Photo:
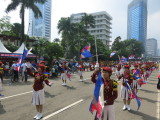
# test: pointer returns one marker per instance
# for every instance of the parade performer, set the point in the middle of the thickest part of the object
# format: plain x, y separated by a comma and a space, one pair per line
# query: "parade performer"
137, 77
80, 68
158, 84
1, 72
63, 70
38, 89
109, 93
125, 92
117, 72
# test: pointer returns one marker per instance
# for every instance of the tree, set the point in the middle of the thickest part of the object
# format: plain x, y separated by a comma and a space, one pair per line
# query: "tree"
16, 29
25, 4
5, 24
88, 20
11, 47
127, 47
56, 40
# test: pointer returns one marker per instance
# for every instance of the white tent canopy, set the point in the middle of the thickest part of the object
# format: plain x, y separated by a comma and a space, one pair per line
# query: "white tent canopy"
21, 49
3, 49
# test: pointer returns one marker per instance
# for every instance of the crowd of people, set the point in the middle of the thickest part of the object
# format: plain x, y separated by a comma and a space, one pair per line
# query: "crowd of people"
133, 74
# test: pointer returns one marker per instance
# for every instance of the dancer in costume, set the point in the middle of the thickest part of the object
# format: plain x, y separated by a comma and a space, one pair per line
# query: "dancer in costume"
109, 93
38, 89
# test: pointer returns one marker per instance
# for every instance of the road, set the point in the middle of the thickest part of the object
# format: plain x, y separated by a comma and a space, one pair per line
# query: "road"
72, 102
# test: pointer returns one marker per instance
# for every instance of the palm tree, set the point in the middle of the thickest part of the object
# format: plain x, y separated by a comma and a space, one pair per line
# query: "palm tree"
88, 20
67, 29
56, 40
25, 4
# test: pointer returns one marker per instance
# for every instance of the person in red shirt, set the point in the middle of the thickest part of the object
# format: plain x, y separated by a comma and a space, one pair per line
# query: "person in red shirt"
110, 92
38, 89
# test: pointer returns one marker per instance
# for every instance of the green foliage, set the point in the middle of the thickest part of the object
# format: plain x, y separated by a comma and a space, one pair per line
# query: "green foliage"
75, 35
128, 47
16, 29
11, 47
5, 25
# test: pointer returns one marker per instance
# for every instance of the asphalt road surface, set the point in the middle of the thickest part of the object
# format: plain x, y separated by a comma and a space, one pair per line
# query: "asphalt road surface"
72, 102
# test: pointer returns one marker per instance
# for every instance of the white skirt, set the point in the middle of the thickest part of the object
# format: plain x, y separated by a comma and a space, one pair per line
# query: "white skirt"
109, 113
80, 73
63, 76
135, 84
124, 93
38, 97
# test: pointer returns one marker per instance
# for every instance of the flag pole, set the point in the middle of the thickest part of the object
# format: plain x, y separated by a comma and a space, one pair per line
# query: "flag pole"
96, 49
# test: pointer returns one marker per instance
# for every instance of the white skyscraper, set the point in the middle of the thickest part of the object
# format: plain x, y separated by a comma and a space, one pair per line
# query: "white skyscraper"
102, 25
41, 27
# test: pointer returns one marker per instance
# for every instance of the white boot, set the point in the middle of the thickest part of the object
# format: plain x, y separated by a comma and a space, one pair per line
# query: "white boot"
124, 107
36, 115
128, 108
39, 116
80, 80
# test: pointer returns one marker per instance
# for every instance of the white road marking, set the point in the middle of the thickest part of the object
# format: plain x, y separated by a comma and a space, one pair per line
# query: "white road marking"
63, 109
15, 95
158, 105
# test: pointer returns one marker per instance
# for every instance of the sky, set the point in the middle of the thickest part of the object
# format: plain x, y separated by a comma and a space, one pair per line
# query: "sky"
116, 8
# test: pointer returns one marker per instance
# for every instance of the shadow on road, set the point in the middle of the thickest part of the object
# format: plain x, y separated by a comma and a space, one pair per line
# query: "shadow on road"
2, 110
144, 116
149, 100
69, 87
148, 91
47, 94
87, 83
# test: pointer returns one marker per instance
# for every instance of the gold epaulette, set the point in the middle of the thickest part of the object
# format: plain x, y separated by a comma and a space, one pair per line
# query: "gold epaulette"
115, 85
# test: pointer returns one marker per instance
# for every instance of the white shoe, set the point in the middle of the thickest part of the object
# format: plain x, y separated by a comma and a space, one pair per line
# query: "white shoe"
128, 108
80, 80
36, 115
124, 107
63, 83
39, 116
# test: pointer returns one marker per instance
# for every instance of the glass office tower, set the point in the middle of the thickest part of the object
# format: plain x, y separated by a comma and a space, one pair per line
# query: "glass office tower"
137, 20
41, 27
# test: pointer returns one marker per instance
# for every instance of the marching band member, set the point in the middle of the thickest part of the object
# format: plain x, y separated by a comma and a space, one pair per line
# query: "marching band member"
38, 89
80, 71
136, 73
125, 93
110, 92
63, 70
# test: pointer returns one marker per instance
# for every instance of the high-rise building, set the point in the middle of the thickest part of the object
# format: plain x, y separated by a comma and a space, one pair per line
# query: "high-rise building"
151, 47
41, 27
102, 28
137, 20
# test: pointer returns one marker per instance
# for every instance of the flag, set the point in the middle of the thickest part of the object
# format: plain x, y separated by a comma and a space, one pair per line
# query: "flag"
23, 57
85, 52
133, 95
139, 58
96, 104
131, 57
123, 59
112, 54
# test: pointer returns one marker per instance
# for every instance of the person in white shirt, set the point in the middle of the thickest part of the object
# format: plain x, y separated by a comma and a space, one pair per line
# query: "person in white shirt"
24, 71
